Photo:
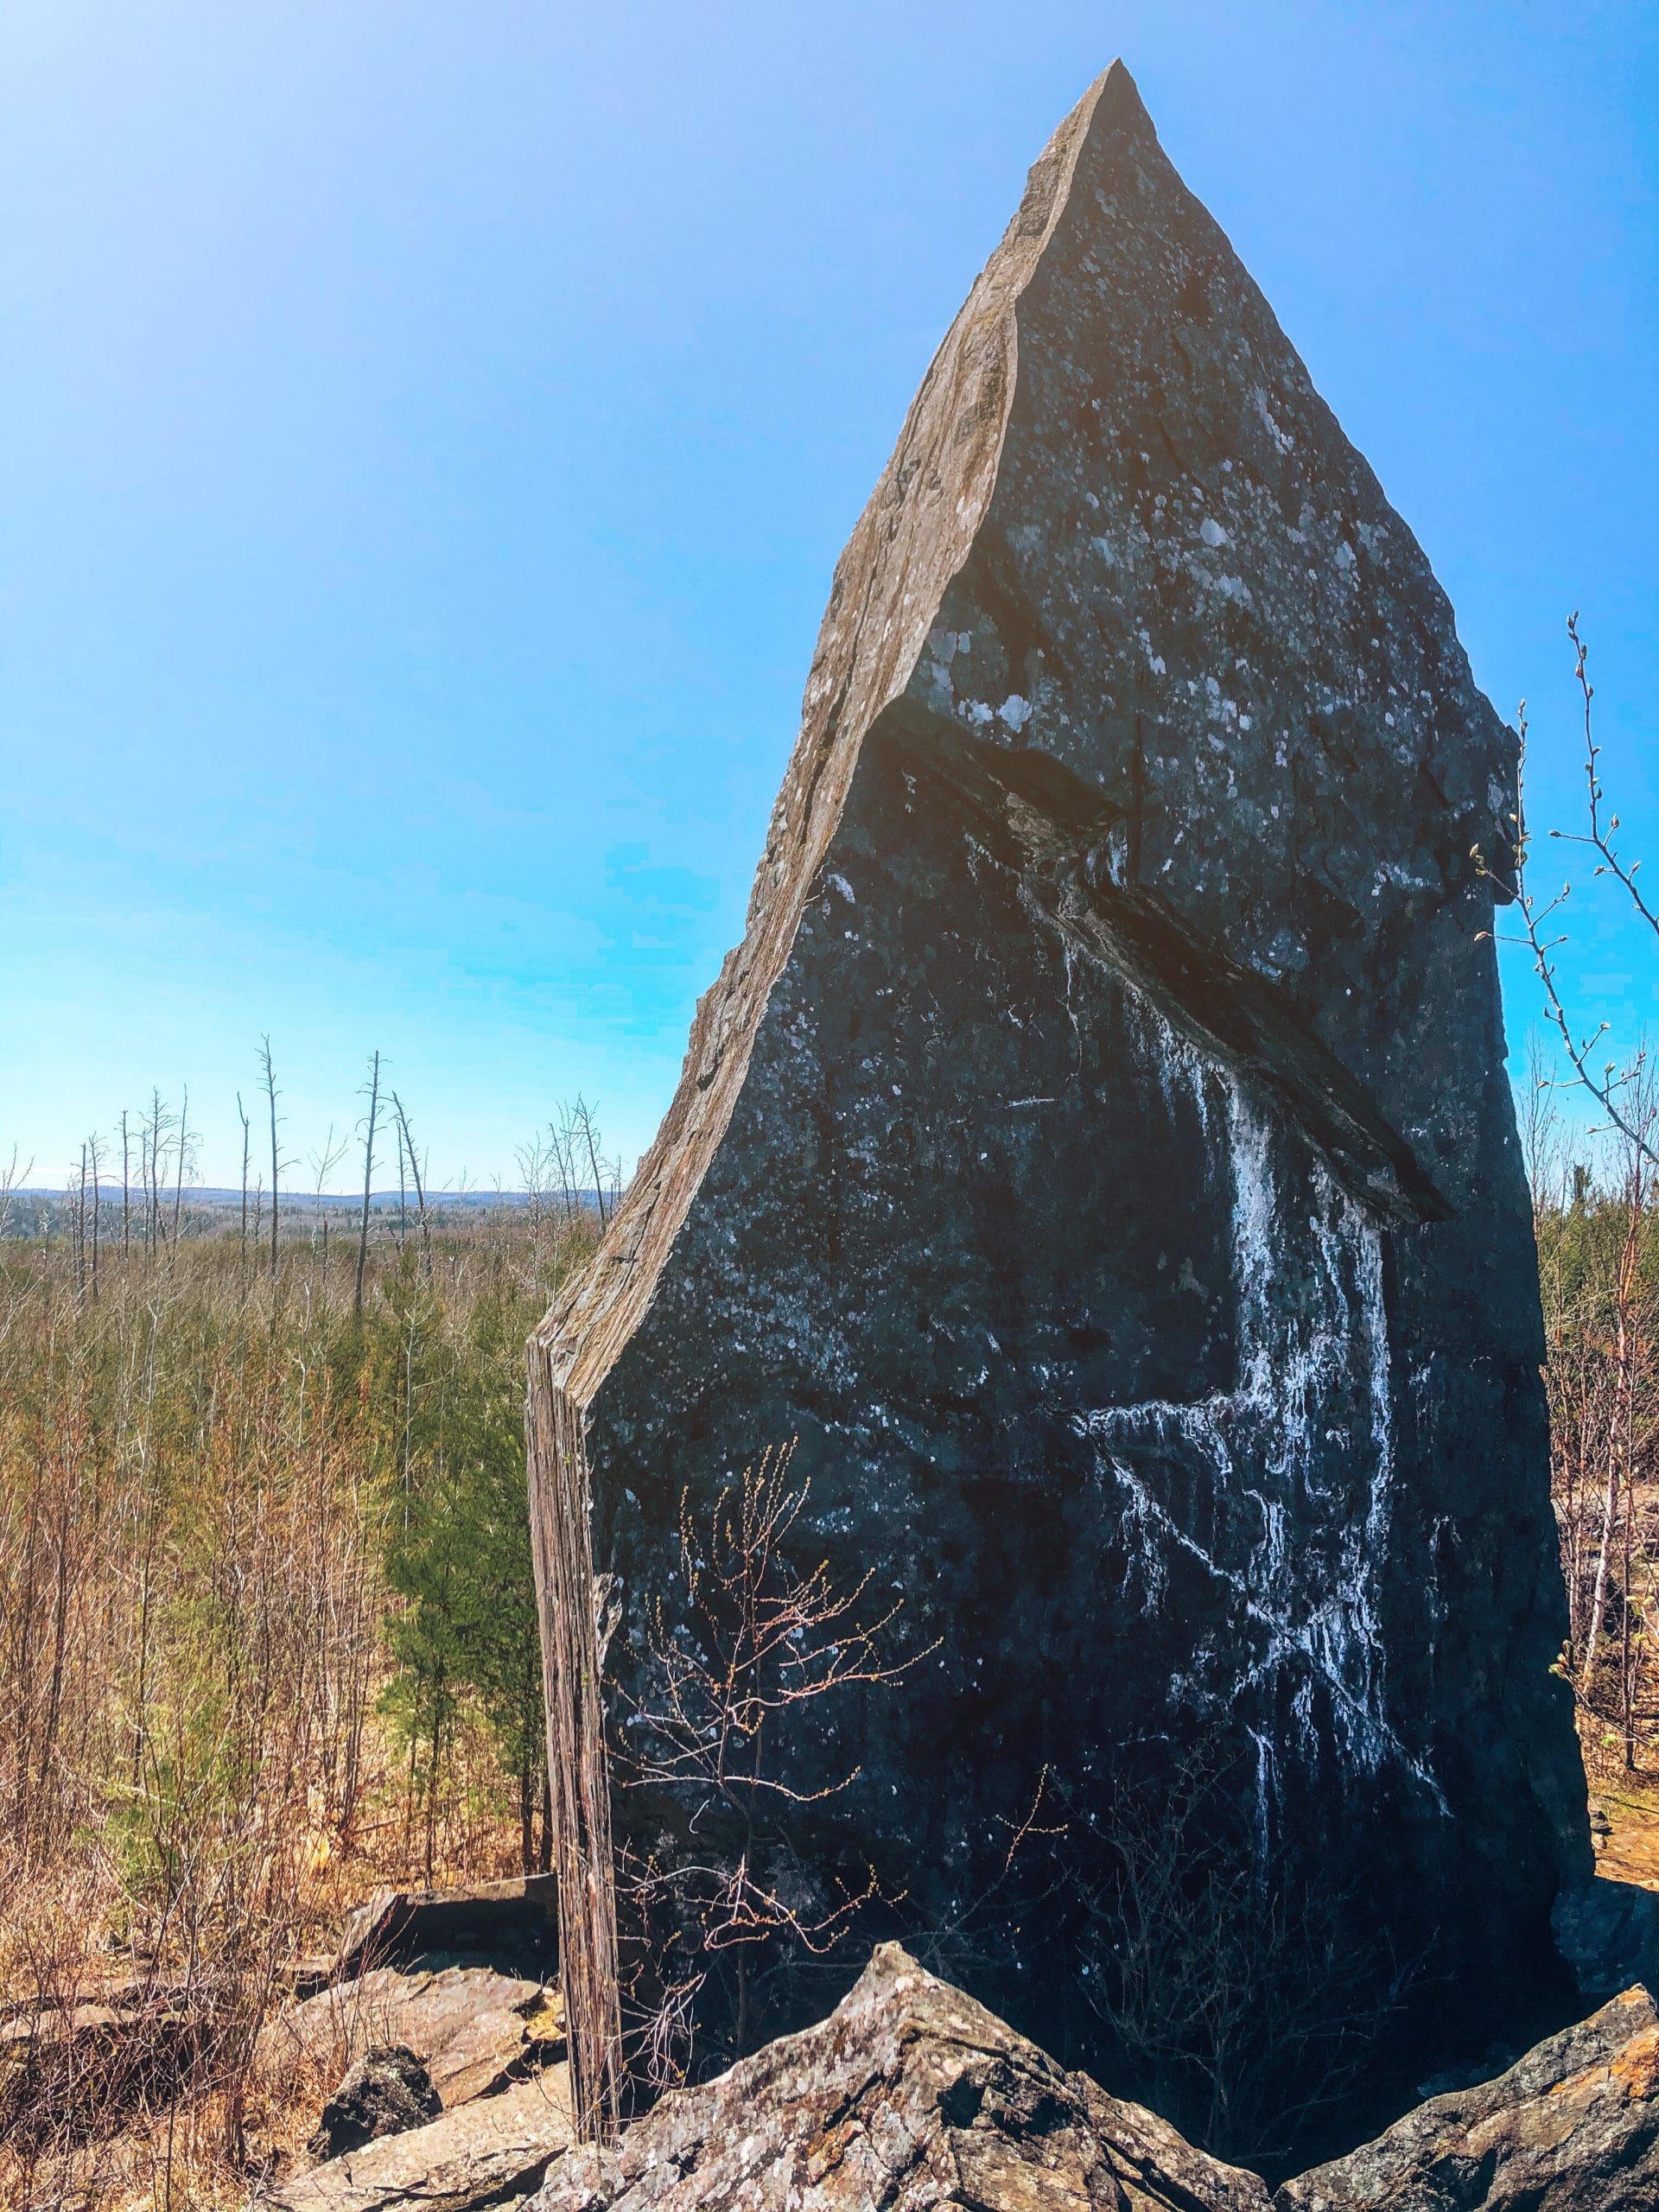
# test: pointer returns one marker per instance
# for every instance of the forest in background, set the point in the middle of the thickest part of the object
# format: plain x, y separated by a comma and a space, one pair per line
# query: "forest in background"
267, 1635
267, 1617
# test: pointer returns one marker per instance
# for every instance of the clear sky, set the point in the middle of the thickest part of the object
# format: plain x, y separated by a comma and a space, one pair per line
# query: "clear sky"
428, 430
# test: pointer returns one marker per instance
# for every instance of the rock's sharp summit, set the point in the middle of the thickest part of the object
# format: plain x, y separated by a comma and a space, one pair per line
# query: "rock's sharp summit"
1098, 1155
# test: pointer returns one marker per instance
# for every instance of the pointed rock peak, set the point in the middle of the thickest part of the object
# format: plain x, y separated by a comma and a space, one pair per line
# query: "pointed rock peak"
1097, 1157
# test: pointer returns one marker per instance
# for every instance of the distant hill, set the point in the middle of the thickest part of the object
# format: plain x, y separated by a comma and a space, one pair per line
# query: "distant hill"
208, 1209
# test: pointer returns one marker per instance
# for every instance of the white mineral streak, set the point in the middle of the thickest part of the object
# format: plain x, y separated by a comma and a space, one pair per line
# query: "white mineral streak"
1304, 1438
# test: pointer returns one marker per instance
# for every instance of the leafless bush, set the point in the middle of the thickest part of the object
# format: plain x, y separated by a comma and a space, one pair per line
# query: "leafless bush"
1607, 1083
1238, 1998
755, 1640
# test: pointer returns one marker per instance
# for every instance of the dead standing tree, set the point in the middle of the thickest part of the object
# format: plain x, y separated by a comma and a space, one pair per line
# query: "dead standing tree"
368, 1177
408, 1153
269, 1074
1600, 1380
126, 1186
242, 1116
155, 1137
324, 1162
95, 1160
183, 1164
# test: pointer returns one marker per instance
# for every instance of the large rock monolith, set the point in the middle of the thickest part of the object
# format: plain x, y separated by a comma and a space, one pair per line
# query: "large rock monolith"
1098, 1159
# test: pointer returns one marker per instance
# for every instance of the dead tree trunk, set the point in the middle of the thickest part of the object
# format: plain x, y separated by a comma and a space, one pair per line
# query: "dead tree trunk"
243, 1118
178, 1180
420, 1187
368, 1172
275, 1166
91, 1148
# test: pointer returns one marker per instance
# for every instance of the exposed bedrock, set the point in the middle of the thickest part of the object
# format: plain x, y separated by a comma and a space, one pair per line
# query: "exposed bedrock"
1098, 1154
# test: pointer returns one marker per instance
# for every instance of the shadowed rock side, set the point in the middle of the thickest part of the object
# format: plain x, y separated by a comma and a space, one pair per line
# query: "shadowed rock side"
1098, 1154
1573, 2127
910, 2095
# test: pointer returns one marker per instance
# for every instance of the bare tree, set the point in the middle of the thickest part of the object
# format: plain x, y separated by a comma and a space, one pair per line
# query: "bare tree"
94, 1157
420, 1187
126, 1186
561, 1145
368, 1173
155, 1137
269, 1074
1608, 1084
183, 1163
587, 1134
80, 1225
324, 1164
1596, 1255
242, 1116
533, 1170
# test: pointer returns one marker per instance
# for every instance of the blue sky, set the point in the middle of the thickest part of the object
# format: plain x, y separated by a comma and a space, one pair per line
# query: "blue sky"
429, 432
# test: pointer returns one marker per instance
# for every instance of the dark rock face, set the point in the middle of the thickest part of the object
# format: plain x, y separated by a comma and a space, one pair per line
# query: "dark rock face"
1098, 1156
1608, 1933
910, 2095
386, 2091
1573, 2127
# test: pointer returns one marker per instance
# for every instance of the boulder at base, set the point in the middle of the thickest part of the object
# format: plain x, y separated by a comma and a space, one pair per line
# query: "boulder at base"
910, 2095
474, 2030
1608, 1933
387, 2091
493, 2151
1573, 2127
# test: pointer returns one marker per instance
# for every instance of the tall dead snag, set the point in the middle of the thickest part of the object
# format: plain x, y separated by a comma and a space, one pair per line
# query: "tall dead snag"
407, 1152
246, 1139
268, 1071
126, 1184
96, 1160
368, 1173
183, 1164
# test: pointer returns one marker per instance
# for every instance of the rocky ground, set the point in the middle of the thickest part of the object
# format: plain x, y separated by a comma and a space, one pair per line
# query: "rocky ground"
426, 2058
912, 2096
1625, 1818
440, 2024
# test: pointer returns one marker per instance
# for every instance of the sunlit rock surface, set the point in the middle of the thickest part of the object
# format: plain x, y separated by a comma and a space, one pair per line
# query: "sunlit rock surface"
909, 2096
1573, 2126
1098, 1154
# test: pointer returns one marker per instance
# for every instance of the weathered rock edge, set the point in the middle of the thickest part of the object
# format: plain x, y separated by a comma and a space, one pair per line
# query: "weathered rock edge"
909, 2095
1573, 2126
912, 2095
493, 2151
